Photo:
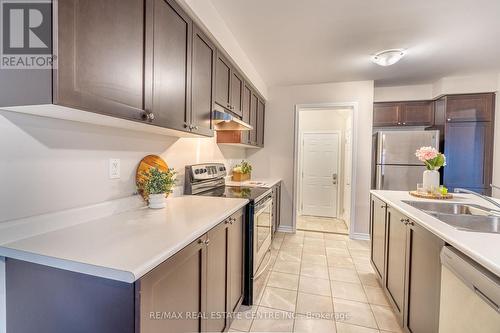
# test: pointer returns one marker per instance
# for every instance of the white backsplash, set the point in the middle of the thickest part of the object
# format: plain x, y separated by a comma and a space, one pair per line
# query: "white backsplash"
48, 165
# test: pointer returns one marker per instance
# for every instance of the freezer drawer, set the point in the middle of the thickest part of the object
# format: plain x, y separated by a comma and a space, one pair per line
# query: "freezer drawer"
398, 147
398, 177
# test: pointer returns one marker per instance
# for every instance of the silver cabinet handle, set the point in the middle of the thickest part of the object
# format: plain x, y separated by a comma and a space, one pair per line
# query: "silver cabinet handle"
207, 242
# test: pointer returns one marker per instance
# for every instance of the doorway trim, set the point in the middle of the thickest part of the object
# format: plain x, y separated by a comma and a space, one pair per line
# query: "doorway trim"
301, 156
354, 120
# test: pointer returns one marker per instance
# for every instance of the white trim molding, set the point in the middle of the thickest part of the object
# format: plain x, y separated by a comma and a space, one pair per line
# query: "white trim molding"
286, 228
359, 236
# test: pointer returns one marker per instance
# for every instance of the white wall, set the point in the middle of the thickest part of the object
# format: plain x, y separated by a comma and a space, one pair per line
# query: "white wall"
403, 93
328, 120
214, 25
48, 164
276, 159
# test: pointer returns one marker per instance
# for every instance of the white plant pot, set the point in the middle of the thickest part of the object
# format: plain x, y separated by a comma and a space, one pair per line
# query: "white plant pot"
431, 180
157, 201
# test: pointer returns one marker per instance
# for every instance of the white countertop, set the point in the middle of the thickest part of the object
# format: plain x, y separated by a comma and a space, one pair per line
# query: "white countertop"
127, 245
484, 248
258, 182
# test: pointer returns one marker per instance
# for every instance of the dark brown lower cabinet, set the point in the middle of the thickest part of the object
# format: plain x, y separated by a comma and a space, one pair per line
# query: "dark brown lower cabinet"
176, 286
396, 260
190, 292
423, 280
276, 207
412, 279
378, 225
236, 258
217, 282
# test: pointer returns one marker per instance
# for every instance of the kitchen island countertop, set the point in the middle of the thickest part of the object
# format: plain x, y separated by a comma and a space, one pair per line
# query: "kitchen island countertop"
127, 245
484, 248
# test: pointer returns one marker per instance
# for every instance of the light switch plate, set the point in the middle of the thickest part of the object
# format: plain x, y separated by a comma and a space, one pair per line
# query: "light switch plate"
114, 168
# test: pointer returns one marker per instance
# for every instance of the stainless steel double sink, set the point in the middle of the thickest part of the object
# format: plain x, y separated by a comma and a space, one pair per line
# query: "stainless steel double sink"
467, 217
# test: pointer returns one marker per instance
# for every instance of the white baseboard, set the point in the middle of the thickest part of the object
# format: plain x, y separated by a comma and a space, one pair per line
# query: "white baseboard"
285, 228
359, 236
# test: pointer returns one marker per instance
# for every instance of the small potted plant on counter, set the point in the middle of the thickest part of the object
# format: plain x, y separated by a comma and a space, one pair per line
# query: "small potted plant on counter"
157, 186
433, 160
242, 171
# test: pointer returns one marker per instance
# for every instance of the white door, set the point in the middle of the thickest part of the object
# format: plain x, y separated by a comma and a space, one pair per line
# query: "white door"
320, 175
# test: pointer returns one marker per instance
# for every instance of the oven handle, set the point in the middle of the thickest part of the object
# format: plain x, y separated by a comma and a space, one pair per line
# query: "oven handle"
263, 203
256, 276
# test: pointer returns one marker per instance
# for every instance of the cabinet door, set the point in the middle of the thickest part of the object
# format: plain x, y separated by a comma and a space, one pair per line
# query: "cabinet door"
100, 52
236, 259
253, 118
203, 81
217, 263
475, 107
468, 149
386, 114
417, 114
247, 95
223, 82
378, 227
423, 280
175, 286
396, 260
171, 64
261, 120
237, 85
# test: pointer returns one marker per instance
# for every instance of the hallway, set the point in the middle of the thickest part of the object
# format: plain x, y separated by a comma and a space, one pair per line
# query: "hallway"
321, 224
319, 282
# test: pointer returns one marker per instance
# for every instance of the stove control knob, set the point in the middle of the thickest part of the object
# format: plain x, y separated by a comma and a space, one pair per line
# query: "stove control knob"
197, 171
204, 170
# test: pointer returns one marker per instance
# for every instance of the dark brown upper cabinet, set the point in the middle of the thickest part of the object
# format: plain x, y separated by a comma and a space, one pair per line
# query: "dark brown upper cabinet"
254, 100
247, 96
203, 81
261, 119
100, 54
386, 114
169, 49
223, 82
473, 107
418, 113
237, 85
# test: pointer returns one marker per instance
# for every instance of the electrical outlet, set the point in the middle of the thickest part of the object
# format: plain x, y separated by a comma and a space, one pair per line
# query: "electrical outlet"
114, 168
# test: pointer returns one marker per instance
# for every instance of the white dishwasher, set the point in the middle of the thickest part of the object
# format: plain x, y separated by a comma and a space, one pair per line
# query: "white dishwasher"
470, 295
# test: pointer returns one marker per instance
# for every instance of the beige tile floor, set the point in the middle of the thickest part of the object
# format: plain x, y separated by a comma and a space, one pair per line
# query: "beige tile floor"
319, 282
321, 224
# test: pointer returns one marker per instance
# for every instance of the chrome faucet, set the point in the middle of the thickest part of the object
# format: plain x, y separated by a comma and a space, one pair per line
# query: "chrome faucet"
484, 197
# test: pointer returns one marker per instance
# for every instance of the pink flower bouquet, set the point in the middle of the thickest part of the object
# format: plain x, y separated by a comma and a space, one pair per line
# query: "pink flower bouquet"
432, 158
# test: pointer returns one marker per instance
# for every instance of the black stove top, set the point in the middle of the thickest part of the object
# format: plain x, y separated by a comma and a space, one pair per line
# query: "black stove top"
244, 192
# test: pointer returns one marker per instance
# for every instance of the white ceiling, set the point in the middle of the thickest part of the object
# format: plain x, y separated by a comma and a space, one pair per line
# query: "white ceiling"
315, 41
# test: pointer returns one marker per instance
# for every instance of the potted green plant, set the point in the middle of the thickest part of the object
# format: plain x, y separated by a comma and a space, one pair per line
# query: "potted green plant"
242, 171
157, 185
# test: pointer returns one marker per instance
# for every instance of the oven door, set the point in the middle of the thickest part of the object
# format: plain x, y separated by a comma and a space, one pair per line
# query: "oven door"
262, 230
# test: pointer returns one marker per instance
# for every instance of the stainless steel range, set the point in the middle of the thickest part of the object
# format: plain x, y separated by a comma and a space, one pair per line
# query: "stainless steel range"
209, 179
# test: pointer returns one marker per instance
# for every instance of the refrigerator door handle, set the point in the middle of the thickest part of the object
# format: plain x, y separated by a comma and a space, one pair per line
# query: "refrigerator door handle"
380, 177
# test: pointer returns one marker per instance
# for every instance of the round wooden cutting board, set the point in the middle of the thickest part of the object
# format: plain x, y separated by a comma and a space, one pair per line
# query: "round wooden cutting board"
148, 162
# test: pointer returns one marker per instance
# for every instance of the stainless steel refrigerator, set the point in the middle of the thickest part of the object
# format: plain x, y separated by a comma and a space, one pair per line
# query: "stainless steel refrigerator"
395, 165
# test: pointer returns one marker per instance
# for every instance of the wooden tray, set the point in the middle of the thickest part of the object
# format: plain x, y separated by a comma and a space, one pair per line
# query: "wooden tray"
148, 162
431, 195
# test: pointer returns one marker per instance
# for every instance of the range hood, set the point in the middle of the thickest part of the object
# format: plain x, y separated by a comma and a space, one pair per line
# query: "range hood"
224, 121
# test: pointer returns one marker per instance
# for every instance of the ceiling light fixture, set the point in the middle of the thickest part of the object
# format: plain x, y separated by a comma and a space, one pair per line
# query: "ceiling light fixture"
388, 57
